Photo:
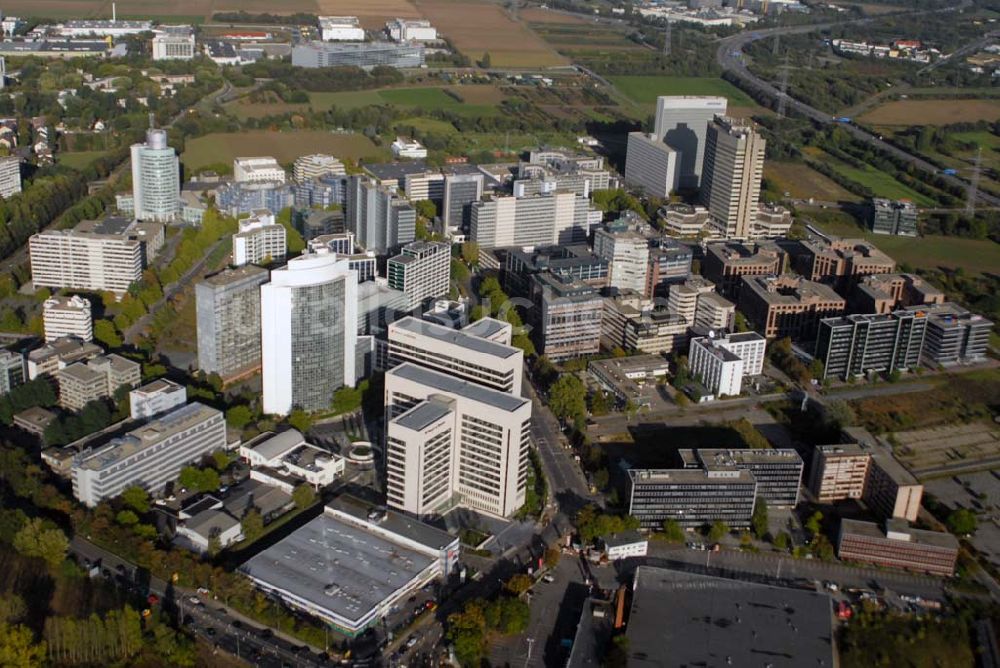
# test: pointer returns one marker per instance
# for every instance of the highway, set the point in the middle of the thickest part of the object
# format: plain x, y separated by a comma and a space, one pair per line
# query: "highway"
731, 58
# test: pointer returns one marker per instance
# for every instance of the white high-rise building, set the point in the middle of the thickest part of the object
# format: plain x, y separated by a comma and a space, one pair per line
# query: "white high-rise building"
316, 165
422, 271
627, 253
651, 165
174, 43
258, 170
156, 185
724, 362
459, 353
543, 220
340, 29
67, 316
411, 30
308, 332
259, 240
453, 442
734, 168
682, 122
10, 175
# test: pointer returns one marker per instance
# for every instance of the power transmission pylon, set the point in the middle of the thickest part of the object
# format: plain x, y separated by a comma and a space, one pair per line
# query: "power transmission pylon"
777, 42
970, 204
783, 89
667, 38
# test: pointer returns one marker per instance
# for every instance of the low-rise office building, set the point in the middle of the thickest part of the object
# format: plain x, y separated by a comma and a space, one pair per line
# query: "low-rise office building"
316, 165
625, 545
575, 261
895, 217
149, 456
885, 293
58, 354
683, 220
669, 264
258, 170
898, 546
683, 297
568, 317
630, 379
723, 362
954, 335
260, 240
385, 557
780, 306
67, 316
156, 398
840, 262
839, 472
98, 378
633, 323
286, 460
692, 497
725, 264
365, 55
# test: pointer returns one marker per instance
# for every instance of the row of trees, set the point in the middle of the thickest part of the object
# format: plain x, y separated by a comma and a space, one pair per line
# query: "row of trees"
115, 637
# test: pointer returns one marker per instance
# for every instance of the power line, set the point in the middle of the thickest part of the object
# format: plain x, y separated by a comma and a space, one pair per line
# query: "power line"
666, 38
970, 204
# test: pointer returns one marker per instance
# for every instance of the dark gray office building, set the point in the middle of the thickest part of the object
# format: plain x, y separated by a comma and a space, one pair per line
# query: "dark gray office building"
893, 217
854, 345
228, 309
954, 335
573, 261
381, 220
462, 186
778, 471
692, 497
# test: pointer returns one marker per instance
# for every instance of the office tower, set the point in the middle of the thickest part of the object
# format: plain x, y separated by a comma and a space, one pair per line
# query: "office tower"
651, 165
156, 185
723, 363
260, 240
422, 270
787, 305
150, 456
258, 170
380, 219
309, 332
67, 316
228, 309
839, 472
682, 123
460, 353
316, 165
454, 442
10, 175
12, 371
428, 184
897, 217
542, 220
627, 253
733, 170
566, 318
778, 471
855, 345
461, 190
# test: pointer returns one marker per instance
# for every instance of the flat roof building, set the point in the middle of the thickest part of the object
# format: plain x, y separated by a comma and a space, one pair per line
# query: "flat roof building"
632, 322
227, 304
574, 260
723, 362
67, 316
898, 546
422, 271
682, 123
260, 240
852, 346
340, 29
897, 217
59, 354
353, 563
780, 306
679, 618
726, 263
732, 174
885, 293
258, 170
365, 55
954, 335
692, 497
541, 220
568, 317
778, 471
839, 472
630, 379
155, 398
651, 165
149, 456
98, 378
840, 262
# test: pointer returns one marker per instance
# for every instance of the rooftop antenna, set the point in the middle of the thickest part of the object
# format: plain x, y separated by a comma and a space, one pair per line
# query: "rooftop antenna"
783, 88
666, 38
114, 12
970, 204
152, 121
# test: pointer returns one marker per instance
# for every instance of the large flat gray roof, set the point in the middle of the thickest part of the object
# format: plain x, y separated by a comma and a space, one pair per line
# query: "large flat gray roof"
422, 415
337, 567
459, 387
682, 619
456, 337
397, 523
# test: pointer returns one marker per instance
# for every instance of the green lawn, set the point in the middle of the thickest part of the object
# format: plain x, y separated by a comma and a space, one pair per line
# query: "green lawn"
880, 183
80, 159
222, 147
424, 98
645, 89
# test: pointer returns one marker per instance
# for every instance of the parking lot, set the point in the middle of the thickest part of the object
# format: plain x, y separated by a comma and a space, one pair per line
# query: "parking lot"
979, 492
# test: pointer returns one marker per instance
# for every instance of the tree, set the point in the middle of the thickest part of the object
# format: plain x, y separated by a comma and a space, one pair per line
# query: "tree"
304, 495
552, 556
518, 584
717, 531
12, 609
300, 420
107, 335
347, 399
40, 539
18, 648
238, 416
137, 499
568, 398
962, 522
814, 525
486, 62
839, 414
126, 518
253, 525
426, 208
759, 518
673, 532
783, 540
470, 253
740, 323
221, 460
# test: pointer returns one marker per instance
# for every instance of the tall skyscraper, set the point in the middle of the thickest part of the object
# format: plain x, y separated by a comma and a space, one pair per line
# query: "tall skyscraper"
156, 177
308, 332
228, 309
734, 167
380, 219
461, 189
682, 122
422, 271
10, 175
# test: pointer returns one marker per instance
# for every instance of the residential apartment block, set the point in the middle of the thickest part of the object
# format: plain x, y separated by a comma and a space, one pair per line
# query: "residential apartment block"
229, 321
150, 456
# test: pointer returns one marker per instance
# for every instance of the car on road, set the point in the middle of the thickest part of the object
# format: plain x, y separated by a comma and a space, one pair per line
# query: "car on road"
194, 600
411, 642
548, 578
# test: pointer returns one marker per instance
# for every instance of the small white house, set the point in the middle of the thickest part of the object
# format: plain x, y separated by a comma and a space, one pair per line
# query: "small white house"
408, 148
196, 533
286, 459
625, 545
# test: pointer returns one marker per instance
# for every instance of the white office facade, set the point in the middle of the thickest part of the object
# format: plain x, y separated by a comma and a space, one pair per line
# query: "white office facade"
259, 240
80, 261
308, 332
10, 174
682, 123
651, 165
421, 271
257, 170
156, 177
722, 363
627, 253
67, 316
541, 220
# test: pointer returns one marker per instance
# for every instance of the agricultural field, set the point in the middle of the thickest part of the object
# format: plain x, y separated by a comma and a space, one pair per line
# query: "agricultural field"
476, 28
188, 10
932, 112
539, 15
880, 183
570, 38
801, 182
371, 13
643, 90
285, 146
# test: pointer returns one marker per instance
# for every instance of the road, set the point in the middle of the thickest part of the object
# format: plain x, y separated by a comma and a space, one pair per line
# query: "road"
731, 58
